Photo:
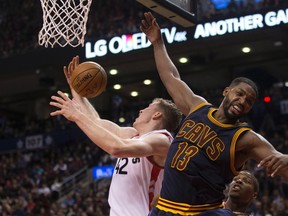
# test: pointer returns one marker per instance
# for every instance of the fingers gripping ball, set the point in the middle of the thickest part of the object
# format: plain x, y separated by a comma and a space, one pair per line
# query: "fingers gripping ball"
89, 79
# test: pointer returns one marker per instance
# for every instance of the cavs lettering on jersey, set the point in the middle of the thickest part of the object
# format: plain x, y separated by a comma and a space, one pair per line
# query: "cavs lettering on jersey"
199, 164
134, 183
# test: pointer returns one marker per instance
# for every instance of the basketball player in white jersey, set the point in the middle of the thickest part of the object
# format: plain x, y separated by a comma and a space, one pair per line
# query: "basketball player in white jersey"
141, 150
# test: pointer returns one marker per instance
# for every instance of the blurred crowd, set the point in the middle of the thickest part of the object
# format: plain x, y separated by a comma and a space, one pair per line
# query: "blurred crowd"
30, 180
21, 21
27, 178
209, 9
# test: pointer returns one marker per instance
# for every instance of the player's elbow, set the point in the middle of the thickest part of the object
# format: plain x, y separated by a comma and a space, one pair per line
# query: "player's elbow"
116, 151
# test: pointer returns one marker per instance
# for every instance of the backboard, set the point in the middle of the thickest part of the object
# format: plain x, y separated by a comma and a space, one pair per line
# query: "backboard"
182, 12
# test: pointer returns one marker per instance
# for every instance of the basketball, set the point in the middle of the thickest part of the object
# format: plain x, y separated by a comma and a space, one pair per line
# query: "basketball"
89, 79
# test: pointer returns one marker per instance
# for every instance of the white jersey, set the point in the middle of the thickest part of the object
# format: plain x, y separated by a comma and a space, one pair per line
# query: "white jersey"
134, 183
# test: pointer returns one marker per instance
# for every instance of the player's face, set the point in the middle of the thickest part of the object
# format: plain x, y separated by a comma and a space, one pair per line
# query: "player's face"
145, 115
238, 100
242, 188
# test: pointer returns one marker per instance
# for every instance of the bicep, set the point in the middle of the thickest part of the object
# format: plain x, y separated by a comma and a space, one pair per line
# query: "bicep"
258, 147
185, 99
155, 144
122, 132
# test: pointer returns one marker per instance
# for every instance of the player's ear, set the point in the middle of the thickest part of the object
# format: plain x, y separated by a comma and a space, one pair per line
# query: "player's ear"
225, 91
157, 115
255, 195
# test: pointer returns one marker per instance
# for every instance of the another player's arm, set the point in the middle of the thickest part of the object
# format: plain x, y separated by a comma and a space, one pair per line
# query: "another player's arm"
181, 94
118, 145
151, 145
154, 144
256, 147
69, 108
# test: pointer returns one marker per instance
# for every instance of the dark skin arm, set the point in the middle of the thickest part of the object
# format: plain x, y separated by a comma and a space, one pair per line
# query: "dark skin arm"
185, 99
276, 165
254, 146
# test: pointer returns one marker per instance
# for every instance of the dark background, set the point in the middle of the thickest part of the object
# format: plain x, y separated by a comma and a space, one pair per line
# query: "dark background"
30, 73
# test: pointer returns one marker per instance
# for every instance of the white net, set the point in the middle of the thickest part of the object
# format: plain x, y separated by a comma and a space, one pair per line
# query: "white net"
64, 22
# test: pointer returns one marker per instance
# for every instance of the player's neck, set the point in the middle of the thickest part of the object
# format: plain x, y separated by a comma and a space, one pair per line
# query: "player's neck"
143, 129
220, 116
147, 127
239, 213
235, 207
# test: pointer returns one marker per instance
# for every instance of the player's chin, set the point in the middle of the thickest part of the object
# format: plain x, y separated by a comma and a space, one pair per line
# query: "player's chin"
232, 115
235, 114
135, 122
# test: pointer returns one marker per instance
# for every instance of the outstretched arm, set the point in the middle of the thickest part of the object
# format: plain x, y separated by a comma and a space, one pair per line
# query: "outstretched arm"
116, 145
261, 150
70, 109
181, 94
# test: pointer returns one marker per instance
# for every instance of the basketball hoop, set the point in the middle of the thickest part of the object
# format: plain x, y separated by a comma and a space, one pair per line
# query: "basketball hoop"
64, 22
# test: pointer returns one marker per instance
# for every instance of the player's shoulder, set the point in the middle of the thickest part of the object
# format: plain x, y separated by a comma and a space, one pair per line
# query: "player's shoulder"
248, 139
165, 135
158, 140
128, 132
161, 132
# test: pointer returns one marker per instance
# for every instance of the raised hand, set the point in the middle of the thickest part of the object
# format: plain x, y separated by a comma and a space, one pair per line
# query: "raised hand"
68, 71
66, 107
150, 27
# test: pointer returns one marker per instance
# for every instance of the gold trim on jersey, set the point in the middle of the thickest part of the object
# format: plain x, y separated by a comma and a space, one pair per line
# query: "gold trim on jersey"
199, 106
213, 120
183, 208
234, 139
232, 149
